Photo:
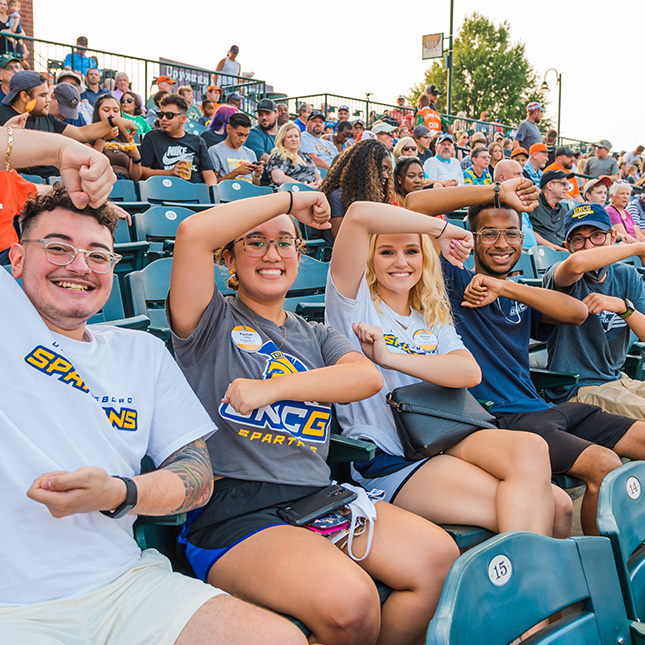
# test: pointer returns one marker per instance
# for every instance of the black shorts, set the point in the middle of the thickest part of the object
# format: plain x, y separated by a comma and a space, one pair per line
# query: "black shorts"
569, 428
236, 510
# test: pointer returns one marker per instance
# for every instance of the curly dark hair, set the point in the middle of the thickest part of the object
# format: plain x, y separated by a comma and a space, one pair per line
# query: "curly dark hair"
357, 172
59, 198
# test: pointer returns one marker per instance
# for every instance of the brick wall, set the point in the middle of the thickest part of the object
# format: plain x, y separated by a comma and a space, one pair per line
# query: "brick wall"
27, 16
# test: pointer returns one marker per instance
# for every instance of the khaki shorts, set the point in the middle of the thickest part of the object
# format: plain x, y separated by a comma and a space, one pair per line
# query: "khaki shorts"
147, 605
626, 397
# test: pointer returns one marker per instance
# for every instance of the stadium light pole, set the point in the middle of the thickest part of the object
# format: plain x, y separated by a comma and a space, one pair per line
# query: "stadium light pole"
544, 88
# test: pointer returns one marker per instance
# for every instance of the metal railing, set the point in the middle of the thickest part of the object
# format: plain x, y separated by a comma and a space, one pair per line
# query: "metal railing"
363, 109
48, 57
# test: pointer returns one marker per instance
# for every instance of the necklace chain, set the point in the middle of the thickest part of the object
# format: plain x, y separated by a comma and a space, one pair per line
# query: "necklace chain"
284, 337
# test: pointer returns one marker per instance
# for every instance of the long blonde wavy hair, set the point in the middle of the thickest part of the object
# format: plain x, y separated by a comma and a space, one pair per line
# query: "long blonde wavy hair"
428, 296
279, 142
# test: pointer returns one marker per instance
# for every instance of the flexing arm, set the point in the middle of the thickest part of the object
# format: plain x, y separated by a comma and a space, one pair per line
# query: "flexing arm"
556, 307
521, 194
191, 283
362, 219
183, 482
86, 173
352, 378
455, 369
578, 263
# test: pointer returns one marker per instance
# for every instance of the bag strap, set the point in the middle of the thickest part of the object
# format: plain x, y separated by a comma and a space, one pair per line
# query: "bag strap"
401, 406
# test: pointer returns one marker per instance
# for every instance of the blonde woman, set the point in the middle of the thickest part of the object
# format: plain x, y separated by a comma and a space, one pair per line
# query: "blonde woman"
288, 163
406, 147
385, 292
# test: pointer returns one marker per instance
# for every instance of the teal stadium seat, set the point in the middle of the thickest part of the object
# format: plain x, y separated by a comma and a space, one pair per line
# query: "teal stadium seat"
500, 589
34, 179
544, 257
133, 252
167, 191
230, 190
125, 195
621, 518
158, 227
146, 292
113, 312
295, 187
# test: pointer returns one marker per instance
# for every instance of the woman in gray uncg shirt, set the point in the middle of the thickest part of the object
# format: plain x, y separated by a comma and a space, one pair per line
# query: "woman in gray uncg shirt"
264, 376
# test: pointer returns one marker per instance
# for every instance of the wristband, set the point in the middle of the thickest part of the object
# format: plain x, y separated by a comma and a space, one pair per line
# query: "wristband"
130, 501
445, 226
110, 120
496, 201
136, 160
290, 203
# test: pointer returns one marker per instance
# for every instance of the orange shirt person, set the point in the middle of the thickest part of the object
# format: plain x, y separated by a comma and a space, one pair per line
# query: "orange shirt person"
14, 192
564, 161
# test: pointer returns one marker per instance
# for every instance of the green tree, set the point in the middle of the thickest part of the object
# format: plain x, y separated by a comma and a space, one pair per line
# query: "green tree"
489, 73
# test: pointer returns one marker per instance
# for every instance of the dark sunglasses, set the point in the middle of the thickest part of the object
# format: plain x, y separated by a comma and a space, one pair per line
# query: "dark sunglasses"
127, 100
169, 115
408, 148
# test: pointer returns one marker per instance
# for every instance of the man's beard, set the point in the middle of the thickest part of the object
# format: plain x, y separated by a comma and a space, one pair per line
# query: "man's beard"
268, 127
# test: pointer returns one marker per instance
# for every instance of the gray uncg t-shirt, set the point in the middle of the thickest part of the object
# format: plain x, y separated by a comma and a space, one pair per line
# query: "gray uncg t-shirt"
286, 442
596, 349
528, 134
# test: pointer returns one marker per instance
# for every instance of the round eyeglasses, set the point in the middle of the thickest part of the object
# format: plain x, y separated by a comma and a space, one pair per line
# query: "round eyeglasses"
257, 245
62, 254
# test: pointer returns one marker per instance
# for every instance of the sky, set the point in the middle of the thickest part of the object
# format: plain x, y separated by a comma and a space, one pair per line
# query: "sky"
356, 47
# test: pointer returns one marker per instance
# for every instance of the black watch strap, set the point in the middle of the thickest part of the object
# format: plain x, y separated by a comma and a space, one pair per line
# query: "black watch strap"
496, 201
131, 497
110, 120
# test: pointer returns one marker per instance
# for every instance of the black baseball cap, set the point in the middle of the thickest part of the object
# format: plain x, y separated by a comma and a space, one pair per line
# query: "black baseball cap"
266, 105
550, 175
314, 113
564, 150
21, 82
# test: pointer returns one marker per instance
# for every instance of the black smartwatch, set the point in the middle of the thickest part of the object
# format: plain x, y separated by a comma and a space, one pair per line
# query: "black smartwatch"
110, 120
130, 501
630, 309
136, 160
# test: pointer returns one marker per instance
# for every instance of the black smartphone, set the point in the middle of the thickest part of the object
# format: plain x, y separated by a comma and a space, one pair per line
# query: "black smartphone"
312, 507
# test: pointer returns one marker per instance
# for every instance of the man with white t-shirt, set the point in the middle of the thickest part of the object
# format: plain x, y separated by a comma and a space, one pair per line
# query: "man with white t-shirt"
443, 168
79, 408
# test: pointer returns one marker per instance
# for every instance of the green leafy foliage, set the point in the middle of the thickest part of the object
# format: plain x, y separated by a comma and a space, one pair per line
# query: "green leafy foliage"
490, 73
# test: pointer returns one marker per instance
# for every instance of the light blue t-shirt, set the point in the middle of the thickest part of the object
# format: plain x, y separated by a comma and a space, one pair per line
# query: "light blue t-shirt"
325, 150
527, 229
79, 63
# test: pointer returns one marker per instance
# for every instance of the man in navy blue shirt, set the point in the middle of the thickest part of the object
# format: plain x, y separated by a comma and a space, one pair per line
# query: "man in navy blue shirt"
496, 318
615, 297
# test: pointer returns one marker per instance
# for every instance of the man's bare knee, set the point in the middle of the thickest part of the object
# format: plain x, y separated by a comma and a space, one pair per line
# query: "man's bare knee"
593, 464
225, 620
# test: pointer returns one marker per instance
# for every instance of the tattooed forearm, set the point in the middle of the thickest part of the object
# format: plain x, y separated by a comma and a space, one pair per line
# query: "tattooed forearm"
192, 464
